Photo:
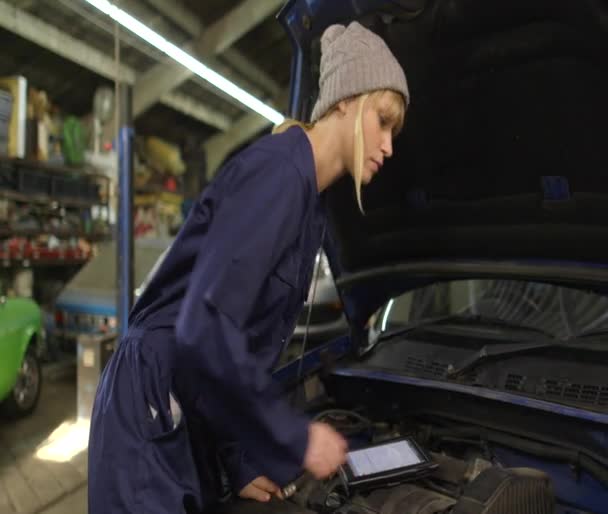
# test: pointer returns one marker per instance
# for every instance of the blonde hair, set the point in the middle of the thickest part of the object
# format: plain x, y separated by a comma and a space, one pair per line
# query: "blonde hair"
288, 123
395, 115
359, 148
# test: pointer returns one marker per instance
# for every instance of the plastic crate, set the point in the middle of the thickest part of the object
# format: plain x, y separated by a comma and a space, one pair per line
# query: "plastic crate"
8, 175
34, 181
93, 191
68, 187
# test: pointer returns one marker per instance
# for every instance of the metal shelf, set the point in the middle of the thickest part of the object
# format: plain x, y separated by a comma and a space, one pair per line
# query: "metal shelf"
46, 200
36, 259
62, 234
34, 182
38, 263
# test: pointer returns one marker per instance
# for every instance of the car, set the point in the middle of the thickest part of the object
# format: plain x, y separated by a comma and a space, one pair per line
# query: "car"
87, 304
322, 317
475, 287
21, 338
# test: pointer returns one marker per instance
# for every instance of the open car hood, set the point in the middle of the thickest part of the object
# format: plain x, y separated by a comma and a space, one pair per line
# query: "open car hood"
501, 168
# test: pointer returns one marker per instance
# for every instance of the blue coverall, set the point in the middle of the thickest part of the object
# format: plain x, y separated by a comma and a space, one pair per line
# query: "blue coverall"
190, 383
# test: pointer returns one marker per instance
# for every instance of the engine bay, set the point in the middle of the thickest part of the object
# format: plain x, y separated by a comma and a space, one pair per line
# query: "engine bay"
467, 480
469, 477
495, 453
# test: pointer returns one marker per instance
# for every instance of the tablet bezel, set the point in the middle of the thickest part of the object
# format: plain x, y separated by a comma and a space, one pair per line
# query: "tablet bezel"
392, 476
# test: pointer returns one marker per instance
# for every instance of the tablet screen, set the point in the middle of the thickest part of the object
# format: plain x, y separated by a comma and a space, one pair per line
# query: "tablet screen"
378, 459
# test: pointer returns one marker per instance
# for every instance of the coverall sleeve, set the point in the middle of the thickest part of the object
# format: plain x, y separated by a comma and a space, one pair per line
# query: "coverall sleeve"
259, 216
239, 470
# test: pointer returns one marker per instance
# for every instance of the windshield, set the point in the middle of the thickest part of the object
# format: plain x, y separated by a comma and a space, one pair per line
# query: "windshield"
560, 312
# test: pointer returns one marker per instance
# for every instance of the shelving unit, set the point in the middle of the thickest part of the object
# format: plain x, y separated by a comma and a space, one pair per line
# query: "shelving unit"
51, 192
33, 181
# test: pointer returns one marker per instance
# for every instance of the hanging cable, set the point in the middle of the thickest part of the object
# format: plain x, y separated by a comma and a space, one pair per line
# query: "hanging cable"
312, 301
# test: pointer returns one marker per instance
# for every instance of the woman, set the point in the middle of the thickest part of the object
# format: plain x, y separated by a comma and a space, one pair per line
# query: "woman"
187, 401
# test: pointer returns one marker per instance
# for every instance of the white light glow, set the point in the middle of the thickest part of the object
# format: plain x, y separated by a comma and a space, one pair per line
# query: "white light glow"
387, 313
66, 441
183, 58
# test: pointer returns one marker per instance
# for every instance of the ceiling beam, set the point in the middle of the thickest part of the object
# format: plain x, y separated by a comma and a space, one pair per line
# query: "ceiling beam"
197, 110
220, 145
252, 71
208, 42
165, 75
24, 4
190, 23
49, 37
217, 147
235, 24
180, 15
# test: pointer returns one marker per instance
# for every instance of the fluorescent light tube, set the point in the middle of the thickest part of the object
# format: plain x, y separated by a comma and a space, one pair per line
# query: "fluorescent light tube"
194, 65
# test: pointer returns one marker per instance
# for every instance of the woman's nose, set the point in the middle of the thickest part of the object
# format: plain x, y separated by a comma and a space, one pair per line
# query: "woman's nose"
387, 146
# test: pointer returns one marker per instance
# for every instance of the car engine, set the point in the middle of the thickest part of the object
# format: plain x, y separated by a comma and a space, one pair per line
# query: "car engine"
466, 481
482, 489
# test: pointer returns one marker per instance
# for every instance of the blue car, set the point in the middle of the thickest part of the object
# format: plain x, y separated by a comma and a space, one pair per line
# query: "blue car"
87, 304
476, 285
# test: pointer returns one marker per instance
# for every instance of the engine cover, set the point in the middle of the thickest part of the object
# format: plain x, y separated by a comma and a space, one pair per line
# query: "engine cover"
494, 491
508, 491
405, 499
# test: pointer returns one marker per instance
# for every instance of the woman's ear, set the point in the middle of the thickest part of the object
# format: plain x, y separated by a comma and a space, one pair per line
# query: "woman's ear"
342, 107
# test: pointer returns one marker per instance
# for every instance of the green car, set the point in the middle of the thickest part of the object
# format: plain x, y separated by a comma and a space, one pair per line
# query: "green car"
20, 374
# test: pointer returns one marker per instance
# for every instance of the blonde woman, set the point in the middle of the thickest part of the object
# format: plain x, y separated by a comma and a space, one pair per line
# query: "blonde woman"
187, 403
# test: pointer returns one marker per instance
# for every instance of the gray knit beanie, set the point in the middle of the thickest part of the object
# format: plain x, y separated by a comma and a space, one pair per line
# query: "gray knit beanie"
355, 61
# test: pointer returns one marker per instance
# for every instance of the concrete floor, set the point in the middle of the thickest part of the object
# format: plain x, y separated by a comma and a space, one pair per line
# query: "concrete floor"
73, 503
34, 476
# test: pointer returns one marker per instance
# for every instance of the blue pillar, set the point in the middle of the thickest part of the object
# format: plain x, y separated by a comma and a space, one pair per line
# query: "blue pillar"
124, 244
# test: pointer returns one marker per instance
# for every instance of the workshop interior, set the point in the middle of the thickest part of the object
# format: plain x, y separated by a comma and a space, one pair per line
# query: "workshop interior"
455, 330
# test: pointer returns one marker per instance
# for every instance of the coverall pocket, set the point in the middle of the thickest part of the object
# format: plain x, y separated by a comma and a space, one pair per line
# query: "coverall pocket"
172, 422
287, 270
280, 283
275, 299
168, 464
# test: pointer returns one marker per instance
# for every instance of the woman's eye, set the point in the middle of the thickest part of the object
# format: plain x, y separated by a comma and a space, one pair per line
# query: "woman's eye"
383, 121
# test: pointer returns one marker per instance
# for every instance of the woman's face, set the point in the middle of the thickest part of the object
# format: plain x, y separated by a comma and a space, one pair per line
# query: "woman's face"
380, 121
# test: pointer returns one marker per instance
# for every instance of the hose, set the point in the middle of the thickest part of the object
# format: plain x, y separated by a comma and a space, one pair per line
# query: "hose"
595, 465
343, 412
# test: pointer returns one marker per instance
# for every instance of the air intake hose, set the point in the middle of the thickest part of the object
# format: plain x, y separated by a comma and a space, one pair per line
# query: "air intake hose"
508, 491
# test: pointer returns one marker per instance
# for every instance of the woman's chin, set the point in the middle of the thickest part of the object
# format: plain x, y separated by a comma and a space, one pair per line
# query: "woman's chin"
367, 177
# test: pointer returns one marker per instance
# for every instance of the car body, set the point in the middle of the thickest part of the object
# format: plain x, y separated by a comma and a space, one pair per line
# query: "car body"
21, 336
322, 316
475, 286
87, 305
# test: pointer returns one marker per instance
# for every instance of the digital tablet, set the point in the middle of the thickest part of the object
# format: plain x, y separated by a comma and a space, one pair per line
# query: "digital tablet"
387, 463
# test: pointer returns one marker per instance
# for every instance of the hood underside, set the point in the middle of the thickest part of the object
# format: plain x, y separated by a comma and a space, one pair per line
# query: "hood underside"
503, 153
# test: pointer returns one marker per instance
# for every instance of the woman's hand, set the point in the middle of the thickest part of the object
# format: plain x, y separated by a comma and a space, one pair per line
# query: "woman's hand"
261, 489
326, 450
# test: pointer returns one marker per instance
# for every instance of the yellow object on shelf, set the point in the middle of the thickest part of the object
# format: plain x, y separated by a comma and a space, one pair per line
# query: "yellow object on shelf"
17, 87
165, 156
160, 199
